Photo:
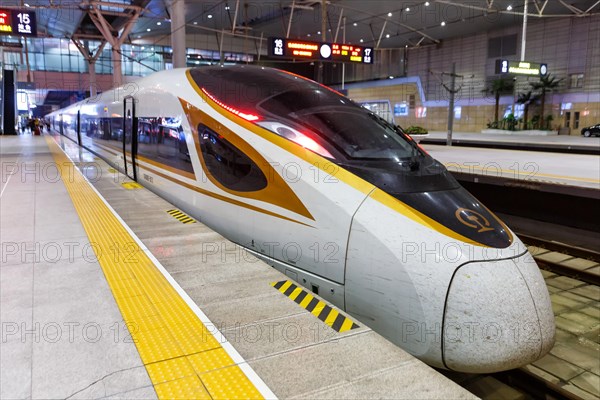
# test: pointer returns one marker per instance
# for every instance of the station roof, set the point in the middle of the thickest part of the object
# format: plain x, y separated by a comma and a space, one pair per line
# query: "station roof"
378, 23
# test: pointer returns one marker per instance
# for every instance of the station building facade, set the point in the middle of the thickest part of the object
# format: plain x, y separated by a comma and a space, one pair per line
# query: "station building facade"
414, 95
569, 46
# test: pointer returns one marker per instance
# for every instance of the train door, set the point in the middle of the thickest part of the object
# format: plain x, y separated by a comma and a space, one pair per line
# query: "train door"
130, 123
79, 128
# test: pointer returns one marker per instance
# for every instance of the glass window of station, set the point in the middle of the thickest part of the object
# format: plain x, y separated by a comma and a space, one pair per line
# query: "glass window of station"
61, 55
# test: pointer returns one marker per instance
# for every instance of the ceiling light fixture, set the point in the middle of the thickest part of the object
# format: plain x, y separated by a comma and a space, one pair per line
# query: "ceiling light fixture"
209, 16
443, 23
226, 7
389, 14
148, 30
387, 36
509, 8
361, 40
159, 23
195, 22
407, 9
426, 4
355, 24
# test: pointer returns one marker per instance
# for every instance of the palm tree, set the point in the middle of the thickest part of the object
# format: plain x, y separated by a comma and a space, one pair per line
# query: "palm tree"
546, 84
526, 99
498, 87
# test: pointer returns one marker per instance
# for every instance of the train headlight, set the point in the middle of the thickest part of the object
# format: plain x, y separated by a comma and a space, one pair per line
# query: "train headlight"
295, 136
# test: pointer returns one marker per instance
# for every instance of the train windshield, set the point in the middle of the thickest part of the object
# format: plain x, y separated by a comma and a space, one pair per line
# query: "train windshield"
336, 122
307, 113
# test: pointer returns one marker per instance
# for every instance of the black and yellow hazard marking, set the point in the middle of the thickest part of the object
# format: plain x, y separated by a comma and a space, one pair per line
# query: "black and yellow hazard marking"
181, 216
329, 315
131, 185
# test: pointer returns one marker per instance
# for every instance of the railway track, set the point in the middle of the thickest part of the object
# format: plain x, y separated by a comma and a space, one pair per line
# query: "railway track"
532, 386
564, 267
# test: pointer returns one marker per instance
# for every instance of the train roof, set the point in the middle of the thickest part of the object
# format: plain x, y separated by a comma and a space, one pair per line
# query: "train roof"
246, 86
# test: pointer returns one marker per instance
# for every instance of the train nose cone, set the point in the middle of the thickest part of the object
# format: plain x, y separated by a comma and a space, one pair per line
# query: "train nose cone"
498, 316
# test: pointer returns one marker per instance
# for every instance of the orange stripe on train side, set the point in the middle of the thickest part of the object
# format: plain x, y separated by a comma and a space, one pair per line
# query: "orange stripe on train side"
340, 173
212, 194
222, 198
277, 191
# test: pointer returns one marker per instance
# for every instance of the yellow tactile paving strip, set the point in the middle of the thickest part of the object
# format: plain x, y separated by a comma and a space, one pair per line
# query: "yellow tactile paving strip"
183, 359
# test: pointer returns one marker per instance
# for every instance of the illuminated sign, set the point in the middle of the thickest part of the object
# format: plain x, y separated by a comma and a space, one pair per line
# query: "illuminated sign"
5, 25
521, 68
18, 22
286, 48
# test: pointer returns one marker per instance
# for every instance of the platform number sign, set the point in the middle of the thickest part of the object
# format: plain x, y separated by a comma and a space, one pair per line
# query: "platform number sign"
18, 22
521, 68
368, 55
25, 21
278, 47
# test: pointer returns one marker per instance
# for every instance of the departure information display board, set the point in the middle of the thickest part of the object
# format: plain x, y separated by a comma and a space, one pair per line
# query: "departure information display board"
521, 68
18, 22
291, 48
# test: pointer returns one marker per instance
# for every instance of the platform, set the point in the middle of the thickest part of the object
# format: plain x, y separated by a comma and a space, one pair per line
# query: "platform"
573, 144
572, 170
108, 291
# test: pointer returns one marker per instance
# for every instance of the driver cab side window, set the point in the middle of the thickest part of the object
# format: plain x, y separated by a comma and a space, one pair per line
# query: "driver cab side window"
227, 164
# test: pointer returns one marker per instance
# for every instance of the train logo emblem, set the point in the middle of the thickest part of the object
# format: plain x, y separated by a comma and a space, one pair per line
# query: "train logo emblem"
473, 219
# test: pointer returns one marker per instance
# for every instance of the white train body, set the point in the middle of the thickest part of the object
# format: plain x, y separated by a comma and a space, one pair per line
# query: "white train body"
442, 277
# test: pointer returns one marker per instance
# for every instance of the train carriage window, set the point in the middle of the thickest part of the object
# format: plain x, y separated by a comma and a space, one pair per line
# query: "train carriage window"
116, 129
228, 164
168, 142
162, 140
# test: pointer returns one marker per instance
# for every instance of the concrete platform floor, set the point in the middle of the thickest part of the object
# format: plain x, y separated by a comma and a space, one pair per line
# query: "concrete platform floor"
62, 333
528, 166
64, 337
554, 140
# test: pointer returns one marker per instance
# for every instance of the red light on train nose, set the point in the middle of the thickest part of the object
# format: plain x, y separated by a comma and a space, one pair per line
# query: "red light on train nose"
246, 116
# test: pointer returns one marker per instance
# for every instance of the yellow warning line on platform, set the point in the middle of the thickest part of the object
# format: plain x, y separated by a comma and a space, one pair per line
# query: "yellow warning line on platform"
183, 358
181, 216
326, 313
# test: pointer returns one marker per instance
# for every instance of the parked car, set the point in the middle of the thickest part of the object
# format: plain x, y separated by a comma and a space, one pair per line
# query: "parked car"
593, 130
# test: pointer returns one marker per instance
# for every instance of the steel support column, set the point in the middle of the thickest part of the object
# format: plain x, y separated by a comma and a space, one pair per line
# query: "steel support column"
91, 58
112, 36
178, 33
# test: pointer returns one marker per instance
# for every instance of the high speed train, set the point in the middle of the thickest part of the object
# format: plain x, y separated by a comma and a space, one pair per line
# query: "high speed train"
336, 198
